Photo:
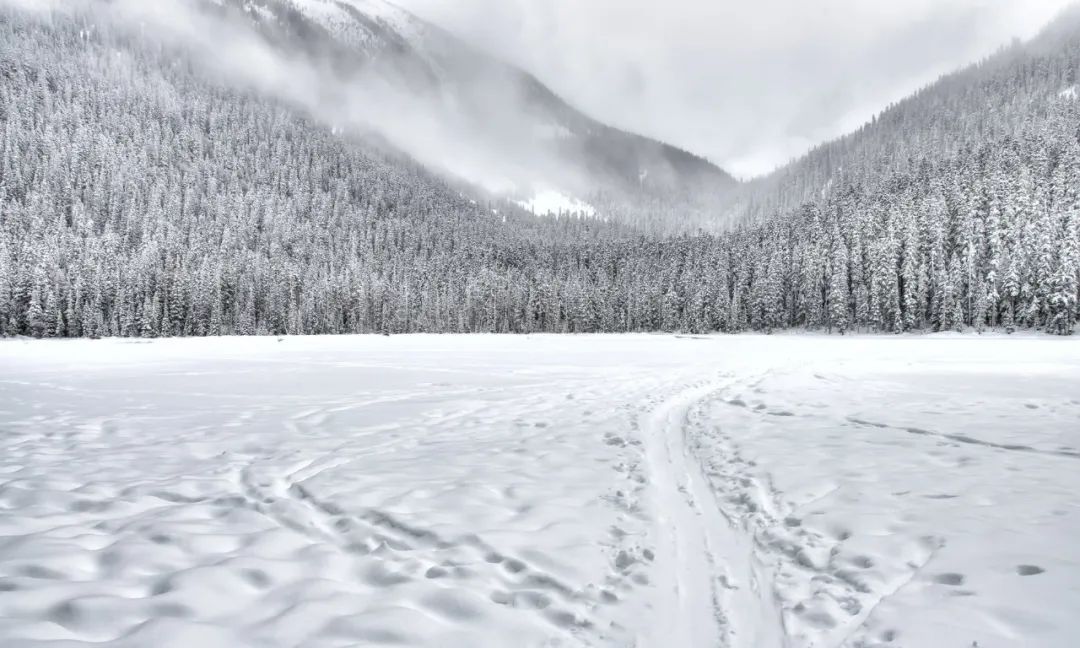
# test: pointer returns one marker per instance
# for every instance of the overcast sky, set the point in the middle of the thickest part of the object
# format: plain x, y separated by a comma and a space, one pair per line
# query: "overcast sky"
747, 83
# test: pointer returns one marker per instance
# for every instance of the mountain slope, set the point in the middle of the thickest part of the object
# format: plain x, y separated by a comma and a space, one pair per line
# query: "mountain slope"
531, 138
994, 99
143, 194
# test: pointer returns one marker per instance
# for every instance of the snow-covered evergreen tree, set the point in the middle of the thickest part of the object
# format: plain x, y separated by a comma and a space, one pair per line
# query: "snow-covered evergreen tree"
140, 197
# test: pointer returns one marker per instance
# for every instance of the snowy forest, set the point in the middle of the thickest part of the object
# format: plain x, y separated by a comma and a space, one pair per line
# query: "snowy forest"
138, 197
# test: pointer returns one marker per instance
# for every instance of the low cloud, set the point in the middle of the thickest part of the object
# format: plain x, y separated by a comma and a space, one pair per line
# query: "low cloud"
491, 150
748, 83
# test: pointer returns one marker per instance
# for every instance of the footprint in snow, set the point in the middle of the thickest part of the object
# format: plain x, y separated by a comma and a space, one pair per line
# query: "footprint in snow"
949, 579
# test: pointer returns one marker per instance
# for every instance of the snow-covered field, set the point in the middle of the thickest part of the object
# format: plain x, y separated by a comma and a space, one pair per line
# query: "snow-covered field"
651, 491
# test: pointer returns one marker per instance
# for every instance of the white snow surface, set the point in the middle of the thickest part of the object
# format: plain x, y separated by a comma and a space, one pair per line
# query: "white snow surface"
549, 202
444, 491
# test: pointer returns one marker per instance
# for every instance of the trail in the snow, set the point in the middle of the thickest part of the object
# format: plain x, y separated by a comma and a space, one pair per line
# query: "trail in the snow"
711, 590
543, 492
736, 568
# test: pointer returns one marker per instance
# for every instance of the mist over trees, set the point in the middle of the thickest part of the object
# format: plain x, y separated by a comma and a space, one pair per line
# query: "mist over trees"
140, 198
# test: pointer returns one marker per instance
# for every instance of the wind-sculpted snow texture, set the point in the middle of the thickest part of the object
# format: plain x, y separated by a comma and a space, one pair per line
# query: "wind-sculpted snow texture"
446, 491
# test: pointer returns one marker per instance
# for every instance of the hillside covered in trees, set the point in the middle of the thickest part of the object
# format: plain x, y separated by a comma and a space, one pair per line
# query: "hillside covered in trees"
141, 197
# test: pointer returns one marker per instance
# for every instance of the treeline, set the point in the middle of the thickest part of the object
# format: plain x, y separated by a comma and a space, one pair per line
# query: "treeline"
138, 198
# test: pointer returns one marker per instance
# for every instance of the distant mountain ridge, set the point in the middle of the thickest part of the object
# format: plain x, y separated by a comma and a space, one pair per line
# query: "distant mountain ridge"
992, 99
578, 154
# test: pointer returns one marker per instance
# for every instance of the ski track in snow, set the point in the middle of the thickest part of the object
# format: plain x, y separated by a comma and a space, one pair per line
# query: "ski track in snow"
645, 491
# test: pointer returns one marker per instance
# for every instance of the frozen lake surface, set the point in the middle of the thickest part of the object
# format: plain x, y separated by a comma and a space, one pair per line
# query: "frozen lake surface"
483, 491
